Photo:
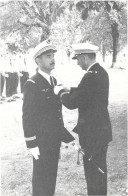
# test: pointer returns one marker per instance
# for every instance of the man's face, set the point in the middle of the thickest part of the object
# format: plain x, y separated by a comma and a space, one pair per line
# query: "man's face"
46, 62
82, 61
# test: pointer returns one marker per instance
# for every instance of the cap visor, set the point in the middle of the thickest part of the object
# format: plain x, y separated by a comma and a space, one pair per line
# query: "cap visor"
74, 57
48, 51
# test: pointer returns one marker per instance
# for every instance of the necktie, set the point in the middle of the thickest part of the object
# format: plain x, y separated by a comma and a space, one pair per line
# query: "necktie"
52, 81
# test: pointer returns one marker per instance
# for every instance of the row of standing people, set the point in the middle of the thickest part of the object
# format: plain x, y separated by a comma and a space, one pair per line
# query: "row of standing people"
12, 82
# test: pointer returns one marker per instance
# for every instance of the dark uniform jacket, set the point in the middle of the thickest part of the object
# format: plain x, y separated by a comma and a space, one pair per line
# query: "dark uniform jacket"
91, 99
42, 117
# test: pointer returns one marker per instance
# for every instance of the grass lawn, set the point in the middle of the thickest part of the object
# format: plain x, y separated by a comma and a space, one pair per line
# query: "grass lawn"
16, 163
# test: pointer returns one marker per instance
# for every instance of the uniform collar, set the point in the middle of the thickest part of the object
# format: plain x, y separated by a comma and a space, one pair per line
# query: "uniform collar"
91, 66
45, 75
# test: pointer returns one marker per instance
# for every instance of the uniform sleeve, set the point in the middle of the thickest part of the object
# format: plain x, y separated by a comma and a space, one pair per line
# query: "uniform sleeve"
29, 115
78, 96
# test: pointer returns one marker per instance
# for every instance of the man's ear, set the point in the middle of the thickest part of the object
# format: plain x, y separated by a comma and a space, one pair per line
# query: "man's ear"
37, 60
84, 57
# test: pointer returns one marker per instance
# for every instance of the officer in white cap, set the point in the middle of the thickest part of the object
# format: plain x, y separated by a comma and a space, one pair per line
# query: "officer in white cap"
94, 126
42, 122
84, 48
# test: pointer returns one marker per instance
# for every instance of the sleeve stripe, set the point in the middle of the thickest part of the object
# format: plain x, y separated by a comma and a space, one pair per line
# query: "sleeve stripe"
64, 93
30, 138
29, 80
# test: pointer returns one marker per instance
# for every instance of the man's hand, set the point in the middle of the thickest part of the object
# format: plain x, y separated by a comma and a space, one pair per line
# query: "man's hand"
66, 88
34, 152
57, 89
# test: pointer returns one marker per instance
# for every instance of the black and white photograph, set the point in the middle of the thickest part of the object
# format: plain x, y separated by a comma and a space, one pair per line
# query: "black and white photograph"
63, 97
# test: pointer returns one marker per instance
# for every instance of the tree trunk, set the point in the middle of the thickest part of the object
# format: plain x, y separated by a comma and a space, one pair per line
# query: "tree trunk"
103, 53
115, 37
45, 34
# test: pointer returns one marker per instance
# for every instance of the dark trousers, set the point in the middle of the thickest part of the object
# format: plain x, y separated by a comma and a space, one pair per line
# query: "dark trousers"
96, 182
2, 81
45, 173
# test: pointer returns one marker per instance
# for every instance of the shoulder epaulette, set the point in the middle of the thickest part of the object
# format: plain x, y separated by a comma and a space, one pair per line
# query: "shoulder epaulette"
30, 80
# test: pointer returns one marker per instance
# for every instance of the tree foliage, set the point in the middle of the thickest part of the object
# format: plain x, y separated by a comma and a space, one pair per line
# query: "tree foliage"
106, 22
28, 22
67, 28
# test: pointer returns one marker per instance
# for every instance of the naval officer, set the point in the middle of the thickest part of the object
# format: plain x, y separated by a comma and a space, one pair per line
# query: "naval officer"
42, 122
93, 127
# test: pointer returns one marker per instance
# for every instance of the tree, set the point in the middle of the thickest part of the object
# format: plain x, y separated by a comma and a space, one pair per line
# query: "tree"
24, 21
97, 29
67, 29
105, 13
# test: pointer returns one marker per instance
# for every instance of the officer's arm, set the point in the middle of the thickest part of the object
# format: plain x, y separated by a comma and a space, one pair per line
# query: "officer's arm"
29, 115
77, 96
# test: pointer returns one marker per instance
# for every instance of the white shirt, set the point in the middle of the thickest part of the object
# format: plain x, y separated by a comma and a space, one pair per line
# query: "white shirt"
45, 75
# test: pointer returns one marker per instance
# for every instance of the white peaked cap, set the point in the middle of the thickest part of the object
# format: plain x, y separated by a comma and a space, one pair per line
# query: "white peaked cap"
84, 48
42, 48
